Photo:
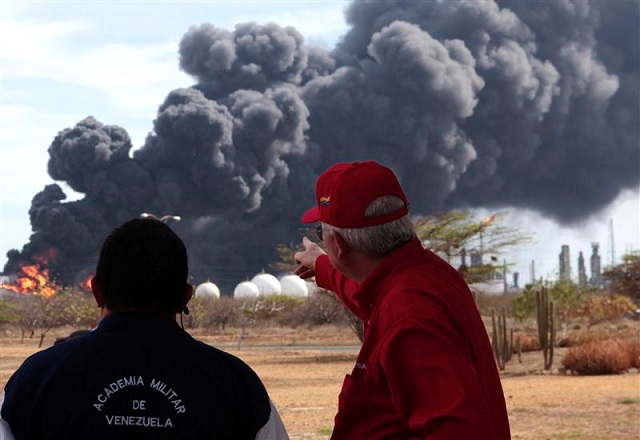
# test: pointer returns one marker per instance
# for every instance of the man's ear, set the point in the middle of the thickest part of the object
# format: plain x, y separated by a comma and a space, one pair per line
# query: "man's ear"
187, 295
97, 292
341, 244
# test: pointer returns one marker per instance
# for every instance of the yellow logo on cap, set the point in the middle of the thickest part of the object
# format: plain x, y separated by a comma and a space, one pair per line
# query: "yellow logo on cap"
324, 201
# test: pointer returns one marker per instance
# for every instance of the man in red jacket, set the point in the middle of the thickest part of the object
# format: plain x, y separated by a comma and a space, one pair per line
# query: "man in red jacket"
426, 369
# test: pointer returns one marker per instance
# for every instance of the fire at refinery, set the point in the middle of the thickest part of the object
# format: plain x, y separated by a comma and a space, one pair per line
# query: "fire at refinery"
474, 104
32, 280
35, 278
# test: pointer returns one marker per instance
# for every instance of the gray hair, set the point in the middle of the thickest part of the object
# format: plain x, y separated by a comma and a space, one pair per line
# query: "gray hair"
381, 239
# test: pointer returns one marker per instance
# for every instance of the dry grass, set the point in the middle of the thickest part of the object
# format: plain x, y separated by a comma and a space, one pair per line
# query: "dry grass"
303, 371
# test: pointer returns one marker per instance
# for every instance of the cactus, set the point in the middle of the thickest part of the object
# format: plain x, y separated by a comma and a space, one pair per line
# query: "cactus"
510, 351
546, 326
495, 341
501, 345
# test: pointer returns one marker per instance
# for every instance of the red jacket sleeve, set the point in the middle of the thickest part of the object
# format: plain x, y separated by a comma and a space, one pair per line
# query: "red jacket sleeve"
329, 278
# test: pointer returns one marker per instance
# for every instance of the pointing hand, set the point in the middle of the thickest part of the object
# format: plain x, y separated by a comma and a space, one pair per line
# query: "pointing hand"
306, 258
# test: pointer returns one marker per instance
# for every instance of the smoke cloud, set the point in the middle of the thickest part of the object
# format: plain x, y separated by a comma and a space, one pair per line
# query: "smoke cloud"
473, 104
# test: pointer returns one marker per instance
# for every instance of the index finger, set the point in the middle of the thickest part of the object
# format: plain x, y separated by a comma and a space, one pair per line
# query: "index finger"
306, 242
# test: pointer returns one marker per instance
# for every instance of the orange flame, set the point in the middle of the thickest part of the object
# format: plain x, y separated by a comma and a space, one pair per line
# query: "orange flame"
33, 281
86, 284
490, 218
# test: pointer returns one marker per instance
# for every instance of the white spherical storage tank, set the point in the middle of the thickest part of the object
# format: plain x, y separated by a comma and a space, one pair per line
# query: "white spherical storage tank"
207, 290
293, 285
246, 289
267, 284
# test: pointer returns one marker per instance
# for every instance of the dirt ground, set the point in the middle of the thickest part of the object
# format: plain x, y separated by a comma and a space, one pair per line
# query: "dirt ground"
303, 371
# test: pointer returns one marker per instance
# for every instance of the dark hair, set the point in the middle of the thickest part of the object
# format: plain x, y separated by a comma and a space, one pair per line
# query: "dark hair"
143, 267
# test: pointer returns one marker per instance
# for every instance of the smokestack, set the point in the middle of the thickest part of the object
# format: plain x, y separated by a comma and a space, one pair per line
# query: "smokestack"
582, 271
595, 265
532, 271
473, 104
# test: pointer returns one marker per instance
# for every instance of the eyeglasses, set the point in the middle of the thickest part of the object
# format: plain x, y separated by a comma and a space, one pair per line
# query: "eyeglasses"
319, 231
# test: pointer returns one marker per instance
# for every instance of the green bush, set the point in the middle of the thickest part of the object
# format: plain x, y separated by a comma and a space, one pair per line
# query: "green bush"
566, 297
7, 311
596, 308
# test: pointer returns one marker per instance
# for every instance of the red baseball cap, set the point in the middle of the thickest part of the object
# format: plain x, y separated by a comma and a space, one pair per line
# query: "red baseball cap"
345, 190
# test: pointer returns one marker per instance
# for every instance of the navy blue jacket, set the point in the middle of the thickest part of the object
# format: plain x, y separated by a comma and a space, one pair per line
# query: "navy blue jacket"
135, 377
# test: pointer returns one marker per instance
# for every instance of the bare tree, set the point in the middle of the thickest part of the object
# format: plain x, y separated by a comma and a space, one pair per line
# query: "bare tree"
222, 312
50, 312
624, 278
82, 311
26, 314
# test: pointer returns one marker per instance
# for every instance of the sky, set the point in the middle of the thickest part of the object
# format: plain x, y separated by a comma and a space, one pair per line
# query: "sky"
61, 61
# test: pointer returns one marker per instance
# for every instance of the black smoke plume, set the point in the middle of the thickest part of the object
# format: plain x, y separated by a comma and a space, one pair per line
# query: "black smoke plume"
474, 104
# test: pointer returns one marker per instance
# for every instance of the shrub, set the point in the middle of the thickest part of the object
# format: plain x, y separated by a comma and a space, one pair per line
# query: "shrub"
576, 338
633, 345
7, 311
266, 310
579, 337
609, 356
220, 312
81, 310
322, 308
625, 277
597, 308
565, 296
488, 302
528, 342
197, 312
289, 311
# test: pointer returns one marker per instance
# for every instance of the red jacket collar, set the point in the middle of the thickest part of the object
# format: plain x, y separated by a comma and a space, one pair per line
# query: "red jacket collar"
368, 293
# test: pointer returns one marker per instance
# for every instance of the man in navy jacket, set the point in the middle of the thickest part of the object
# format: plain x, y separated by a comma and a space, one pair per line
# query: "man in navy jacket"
138, 375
